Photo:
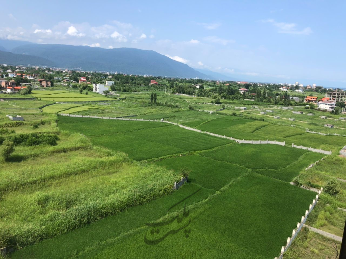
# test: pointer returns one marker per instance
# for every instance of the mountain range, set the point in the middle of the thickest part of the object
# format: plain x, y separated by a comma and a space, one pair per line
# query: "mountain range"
121, 60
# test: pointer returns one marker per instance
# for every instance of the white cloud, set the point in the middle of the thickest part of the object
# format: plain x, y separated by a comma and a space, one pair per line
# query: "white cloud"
101, 32
110, 47
179, 59
72, 31
95, 45
288, 28
214, 39
43, 31
121, 25
114, 33
194, 41
210, 26
200, 63
118, 37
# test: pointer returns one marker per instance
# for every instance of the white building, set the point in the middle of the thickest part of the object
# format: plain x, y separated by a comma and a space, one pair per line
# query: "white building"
11, 74
326, 105
99, 88
109, 83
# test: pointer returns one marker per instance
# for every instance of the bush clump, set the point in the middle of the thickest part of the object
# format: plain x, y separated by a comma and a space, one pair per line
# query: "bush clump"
34, 139
7, 149
332, 188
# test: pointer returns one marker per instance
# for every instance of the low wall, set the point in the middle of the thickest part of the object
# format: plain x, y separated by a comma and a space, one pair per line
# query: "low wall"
300, 225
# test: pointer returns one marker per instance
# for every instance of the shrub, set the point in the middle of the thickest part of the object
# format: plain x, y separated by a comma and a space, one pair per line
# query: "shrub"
12, 124
34, 139
7, 149
332, 188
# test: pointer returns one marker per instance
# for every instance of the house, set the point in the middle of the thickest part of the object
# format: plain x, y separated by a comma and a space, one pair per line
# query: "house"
11, 74
99, 88
338, 96
310, 99
15, 89
109, 83
15, 118
3, 83
324, 99
10, 87
153, 82
44, 83
326, 105
82, 80
243, 90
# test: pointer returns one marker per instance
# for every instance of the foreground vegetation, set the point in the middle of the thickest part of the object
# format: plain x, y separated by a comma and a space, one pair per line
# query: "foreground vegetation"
110, 171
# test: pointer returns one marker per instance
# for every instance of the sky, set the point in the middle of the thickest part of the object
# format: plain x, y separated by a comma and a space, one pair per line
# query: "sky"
269, 41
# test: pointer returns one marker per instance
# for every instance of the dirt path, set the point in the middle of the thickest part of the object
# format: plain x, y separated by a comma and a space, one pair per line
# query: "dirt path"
324, 233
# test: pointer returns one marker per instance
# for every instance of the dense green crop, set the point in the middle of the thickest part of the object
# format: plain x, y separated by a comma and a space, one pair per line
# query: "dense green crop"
249, 219
141, 140
204, 171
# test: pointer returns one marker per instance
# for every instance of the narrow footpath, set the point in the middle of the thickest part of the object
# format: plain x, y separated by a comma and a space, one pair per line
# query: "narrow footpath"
324, 233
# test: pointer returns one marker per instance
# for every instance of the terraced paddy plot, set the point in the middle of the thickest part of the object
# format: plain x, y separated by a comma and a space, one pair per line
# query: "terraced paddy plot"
67, 96
58, 107
226, 209
141, 140
41, 199
250, 218
217, 167
243, 128
256, 156
204, 171
80, 109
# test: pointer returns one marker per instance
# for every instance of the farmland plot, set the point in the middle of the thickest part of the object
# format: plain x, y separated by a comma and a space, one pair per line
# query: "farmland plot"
230, 207
141, 140
249, 218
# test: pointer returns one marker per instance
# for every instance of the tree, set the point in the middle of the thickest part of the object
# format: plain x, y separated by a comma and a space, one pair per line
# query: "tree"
336, 111
340, 104
7, 149
29, 89
153, 98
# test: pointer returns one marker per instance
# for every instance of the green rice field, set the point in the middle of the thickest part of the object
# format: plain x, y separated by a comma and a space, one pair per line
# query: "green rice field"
105, 190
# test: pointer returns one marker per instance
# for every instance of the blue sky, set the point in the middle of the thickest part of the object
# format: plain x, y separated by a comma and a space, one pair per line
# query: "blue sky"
275, 41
